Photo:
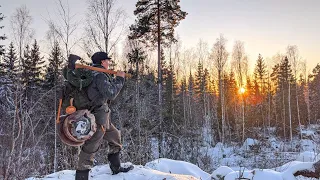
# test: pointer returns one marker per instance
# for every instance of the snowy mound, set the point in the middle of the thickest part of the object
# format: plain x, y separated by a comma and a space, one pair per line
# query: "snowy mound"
177, 167
156, 170
285, 172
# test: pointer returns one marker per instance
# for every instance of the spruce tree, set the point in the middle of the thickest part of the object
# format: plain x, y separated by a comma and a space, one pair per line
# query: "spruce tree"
199, 80
2, 37
314, 95
10, 63
260, 74
26, 76
37, 64
54, 67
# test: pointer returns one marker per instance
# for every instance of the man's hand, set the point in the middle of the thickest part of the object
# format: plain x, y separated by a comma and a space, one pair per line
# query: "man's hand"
72, 61
121, 74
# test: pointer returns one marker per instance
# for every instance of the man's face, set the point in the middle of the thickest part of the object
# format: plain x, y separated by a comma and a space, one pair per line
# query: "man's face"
105, 63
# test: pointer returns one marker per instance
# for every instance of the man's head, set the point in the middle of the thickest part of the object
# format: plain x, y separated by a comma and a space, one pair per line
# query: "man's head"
101, 58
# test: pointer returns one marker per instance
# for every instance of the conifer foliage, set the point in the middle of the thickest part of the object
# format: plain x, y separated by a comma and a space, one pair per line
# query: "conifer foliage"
2, 37
54, 67
145, 27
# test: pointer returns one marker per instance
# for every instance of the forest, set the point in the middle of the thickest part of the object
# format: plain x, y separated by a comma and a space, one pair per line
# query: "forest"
177, 101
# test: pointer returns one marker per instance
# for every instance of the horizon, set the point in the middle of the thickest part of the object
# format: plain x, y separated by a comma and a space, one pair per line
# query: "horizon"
265, 27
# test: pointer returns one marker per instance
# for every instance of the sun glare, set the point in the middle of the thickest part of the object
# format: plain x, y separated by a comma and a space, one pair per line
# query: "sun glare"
242, 90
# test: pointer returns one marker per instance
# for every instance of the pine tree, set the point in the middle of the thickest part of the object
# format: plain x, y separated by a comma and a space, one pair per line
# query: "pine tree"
2, 37
54, 68
145, 27
136, 57
155, 24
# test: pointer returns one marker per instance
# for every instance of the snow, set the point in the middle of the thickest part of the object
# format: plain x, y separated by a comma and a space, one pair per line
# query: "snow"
179, 170
177, 167
249, 143
168, 169
221, 172
308, 145
308, 156
230, 163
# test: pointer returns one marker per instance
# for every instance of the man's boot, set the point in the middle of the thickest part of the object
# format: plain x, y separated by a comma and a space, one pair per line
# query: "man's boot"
115, 167
82, 174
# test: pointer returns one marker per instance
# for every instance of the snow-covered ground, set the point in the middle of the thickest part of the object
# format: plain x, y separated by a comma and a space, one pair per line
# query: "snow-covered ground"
278, 161
167, 169
159, 169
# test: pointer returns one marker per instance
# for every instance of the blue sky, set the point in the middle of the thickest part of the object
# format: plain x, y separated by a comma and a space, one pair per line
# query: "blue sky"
266, 26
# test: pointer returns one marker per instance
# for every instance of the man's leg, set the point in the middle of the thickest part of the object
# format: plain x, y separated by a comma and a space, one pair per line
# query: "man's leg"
86, 157
113, 137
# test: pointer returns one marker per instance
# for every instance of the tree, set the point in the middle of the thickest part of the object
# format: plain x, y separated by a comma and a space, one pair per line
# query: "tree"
260, 83
219, 55
54, 67
37, 64
155, 23
260, 74
64, 29
136, 55
240, 64
294, 59
22, 33
105, 25
10, 63
2, 37
148, 27
314, 93
26, 79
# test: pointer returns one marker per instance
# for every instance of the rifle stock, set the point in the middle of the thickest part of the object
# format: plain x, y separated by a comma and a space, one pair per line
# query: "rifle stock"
100, 70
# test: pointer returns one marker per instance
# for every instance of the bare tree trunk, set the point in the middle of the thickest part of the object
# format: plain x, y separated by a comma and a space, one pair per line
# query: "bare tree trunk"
284, 113
159, 80
307, 97
13, 138
289, 106
298, 111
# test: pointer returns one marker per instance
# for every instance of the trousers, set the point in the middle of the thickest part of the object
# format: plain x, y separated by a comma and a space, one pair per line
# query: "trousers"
106, 132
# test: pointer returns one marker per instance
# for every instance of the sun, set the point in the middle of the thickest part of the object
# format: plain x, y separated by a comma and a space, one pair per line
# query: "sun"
242, 90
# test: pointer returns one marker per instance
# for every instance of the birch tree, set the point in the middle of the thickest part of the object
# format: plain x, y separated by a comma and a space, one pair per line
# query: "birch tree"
64, 28
105, 26
295, 61
219, 56
21, 30
240, 65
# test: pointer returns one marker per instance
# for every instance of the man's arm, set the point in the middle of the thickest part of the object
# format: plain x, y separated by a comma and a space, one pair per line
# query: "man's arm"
108, 89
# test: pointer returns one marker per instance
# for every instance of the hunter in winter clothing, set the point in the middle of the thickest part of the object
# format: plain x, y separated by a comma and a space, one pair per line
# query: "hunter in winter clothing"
102, 90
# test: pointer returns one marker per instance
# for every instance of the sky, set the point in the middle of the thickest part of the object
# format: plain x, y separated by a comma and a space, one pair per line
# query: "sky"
265, 26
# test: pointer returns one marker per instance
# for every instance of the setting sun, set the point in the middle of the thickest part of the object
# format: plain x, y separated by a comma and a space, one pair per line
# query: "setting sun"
242, 90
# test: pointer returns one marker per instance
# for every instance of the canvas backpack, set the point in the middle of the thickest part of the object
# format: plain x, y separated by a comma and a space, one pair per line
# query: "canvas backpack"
75, 88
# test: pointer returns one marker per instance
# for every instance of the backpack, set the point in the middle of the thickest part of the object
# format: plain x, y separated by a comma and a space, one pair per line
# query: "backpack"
75, 88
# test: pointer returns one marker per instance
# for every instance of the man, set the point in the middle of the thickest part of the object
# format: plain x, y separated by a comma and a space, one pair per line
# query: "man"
103, 89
